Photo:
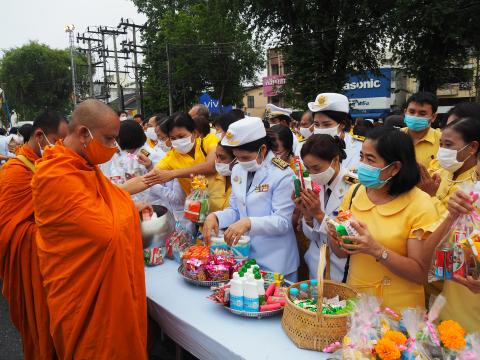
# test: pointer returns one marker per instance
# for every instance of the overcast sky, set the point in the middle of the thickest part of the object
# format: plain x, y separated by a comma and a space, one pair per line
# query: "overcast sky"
44, 20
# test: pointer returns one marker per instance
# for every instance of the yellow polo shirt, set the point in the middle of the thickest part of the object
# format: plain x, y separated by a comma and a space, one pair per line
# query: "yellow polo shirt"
448, 186
392, 224
174, 160
427, 148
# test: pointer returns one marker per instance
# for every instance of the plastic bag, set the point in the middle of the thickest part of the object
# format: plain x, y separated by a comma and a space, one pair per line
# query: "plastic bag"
457, 253
196, 204
178, 242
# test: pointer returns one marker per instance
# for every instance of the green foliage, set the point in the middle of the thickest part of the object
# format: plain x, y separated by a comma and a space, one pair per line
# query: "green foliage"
432, 40
210, 49
35, 77
323, 41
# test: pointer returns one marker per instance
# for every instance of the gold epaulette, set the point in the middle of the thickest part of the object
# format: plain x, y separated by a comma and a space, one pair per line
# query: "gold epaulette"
349, 179
359, 138
281, 164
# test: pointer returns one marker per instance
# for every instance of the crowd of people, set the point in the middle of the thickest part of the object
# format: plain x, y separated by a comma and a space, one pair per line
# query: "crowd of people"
71, 192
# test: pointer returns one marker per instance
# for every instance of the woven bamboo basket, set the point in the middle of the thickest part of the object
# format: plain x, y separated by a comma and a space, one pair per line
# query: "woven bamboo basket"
315, 331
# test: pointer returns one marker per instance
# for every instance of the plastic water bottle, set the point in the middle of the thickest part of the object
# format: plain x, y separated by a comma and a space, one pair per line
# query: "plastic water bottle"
304, 293
236, 293
261, 288
314, 289
250, 297
293, 294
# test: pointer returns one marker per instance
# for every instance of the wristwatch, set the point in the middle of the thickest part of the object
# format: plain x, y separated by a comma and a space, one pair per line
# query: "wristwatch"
383, 256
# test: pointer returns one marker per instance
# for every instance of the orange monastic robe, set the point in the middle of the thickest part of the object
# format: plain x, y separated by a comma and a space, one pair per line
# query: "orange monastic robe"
19, 269
90, 251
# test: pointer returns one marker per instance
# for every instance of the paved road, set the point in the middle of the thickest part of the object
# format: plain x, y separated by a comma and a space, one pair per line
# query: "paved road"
10, 344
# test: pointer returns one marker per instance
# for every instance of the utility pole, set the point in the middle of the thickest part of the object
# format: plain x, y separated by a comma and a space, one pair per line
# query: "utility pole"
90, 63
170, 100
69, 29
132, 47
119, 86
103, 30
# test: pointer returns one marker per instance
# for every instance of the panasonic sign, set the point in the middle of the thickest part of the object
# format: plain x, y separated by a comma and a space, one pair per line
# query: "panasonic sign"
368, 84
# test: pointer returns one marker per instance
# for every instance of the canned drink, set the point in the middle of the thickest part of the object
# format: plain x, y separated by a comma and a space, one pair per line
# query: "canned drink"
444, 263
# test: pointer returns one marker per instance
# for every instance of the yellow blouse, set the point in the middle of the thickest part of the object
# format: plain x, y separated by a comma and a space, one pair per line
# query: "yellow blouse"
391, 225
216, 183
448, 187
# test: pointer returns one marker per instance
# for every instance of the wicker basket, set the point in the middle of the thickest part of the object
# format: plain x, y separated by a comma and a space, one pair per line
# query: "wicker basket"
315, 331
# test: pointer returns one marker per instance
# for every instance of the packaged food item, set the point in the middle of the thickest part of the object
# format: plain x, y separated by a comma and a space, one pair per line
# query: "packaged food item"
457, 254
195, 269
178, 242
153, 256
196, 204
217, 272
342, 224
241, 249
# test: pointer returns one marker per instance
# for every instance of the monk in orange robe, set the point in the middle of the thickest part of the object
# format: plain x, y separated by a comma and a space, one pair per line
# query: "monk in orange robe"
22, 282
89, 244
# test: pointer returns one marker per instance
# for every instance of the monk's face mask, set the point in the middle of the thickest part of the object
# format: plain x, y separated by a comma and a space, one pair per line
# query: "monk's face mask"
97, 153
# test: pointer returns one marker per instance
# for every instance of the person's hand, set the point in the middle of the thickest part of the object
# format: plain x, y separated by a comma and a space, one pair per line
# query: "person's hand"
472, 284
459, 204
145, 161
428, 184
332, 236
363, 243
156, 177
210, 224
311, 203
142, 205
235, 231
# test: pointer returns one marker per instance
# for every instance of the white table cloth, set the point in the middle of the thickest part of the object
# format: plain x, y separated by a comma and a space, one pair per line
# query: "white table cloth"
207, 330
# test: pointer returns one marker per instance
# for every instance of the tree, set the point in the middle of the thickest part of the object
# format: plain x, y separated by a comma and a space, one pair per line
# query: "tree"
432, 39
36, 77
209, 47
323, 41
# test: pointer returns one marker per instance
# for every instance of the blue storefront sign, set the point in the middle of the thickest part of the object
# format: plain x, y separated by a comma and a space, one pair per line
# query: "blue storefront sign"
214, 104
369, 94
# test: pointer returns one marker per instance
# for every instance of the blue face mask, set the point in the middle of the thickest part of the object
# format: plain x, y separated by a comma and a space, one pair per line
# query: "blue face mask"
416, 123
369, 176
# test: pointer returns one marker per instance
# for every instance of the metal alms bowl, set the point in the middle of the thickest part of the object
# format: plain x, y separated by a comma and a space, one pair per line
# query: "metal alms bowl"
158, 227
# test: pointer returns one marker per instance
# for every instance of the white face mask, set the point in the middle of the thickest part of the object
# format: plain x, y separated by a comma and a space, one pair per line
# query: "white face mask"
252, 165
223, 169
163, 146
123, 118
324, 177
333, 131
151, 134
48, 143
305, 132
183, 145
448, 159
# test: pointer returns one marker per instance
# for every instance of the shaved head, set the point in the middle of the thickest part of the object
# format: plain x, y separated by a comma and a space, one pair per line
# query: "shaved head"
93, 114
92, 119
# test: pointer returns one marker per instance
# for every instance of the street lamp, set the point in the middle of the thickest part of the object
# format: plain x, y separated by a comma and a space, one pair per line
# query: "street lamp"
69, 29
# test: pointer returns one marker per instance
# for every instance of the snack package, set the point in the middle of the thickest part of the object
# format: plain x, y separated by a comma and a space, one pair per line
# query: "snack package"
178, 242
196, 204
153, 256
240, 250
342, 224
218, 272
195, 269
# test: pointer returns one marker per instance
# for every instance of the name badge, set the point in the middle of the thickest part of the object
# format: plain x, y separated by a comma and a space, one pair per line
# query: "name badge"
262, 188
